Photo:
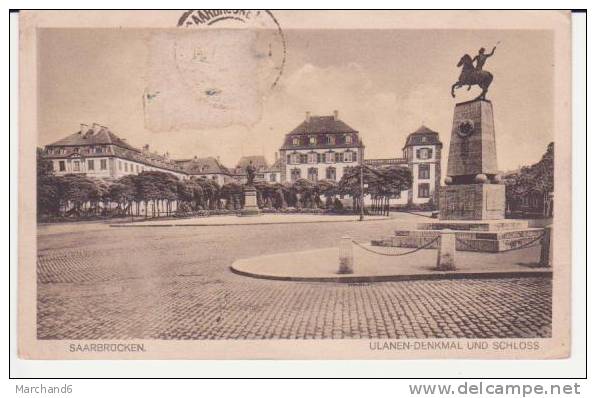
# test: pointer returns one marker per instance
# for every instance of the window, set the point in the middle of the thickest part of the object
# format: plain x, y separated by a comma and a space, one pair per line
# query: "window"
289, 159
312, 140
423, 171
62, 165
137, 168
90, 164
424, 153
273, 177
312, 157
348, 139
303, 158
320, 158
331, 173
120, 165
313, 174
103, 164
98, 149
126, 167
338, 157
348, 156
296, 141
295, 175
424, 190
75, 150
331, 139
76, 166
329, 157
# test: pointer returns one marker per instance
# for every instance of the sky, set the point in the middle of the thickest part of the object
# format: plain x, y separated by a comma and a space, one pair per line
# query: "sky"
383, 83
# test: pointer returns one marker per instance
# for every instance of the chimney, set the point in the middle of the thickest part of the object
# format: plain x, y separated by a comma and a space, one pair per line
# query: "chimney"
307, 116
146, 148
276, 156
195, 157
335, 115
96, 128
84, 128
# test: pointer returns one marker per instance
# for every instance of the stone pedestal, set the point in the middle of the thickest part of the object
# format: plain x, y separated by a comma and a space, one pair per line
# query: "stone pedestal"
472, 150
472, 202
250, 203
473, 191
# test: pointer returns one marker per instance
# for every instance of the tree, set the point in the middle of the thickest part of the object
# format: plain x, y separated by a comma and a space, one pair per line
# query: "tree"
48, 194
231, 192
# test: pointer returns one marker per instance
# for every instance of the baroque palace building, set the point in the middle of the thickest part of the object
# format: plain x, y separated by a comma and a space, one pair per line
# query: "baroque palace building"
422, 155
97, 152
321, 147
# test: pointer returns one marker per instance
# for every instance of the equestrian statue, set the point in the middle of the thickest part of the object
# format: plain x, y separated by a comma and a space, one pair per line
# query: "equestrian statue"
474, 75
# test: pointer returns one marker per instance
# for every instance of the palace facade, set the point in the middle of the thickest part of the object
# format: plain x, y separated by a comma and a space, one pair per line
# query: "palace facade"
97, 152
422, 155
321, 147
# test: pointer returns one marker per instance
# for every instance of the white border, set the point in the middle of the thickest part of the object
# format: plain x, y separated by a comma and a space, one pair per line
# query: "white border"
572, 367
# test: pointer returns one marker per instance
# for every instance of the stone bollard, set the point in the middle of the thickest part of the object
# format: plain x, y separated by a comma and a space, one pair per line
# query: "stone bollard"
546, 249
446, 251
346, 256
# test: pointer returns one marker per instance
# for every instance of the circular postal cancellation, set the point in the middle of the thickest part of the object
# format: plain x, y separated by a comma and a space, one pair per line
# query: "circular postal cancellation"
215, 71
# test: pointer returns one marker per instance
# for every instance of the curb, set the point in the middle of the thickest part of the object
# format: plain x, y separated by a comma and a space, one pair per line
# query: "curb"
439, 275
239, 224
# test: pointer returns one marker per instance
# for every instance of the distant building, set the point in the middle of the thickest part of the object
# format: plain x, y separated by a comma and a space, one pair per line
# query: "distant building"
422, 155
264, 171
321, 147
97, 152
207, 168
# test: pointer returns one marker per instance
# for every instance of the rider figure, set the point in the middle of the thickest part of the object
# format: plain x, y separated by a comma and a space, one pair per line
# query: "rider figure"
481, 57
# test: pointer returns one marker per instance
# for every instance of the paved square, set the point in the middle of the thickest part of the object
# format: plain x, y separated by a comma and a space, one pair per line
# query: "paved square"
97, 282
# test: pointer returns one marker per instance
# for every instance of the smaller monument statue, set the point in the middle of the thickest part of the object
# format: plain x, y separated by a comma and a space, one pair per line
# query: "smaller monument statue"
250, 174
474, 75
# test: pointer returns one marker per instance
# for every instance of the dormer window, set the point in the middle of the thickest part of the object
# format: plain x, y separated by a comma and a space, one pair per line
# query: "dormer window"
312, 140
296, 141
423, 139
331, 139
348, 139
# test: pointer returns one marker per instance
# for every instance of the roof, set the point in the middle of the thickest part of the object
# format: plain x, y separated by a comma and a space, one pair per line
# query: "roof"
423, 136
321, 126
89, 136
208, 165
258, 161
101, 135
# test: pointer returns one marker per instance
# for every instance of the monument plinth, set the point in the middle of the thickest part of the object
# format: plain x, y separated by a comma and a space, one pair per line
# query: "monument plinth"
473, 190
250, 202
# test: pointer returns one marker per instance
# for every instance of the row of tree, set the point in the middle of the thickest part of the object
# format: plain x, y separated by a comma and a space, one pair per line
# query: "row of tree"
529, 190
154, 193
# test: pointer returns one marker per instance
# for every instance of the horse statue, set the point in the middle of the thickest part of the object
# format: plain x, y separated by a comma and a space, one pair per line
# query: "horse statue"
469, 76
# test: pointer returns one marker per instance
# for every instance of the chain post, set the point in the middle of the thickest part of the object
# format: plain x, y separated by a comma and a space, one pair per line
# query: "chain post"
346, 256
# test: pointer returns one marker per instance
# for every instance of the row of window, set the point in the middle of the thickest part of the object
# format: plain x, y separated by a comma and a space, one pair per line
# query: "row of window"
76, 165
313, 174
76, 149
328, 139
328, 157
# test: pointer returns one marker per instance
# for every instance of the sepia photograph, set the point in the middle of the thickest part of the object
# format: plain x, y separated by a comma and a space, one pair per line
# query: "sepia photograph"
384, 188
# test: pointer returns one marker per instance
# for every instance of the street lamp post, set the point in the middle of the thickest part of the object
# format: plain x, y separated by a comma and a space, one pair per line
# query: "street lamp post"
361, 189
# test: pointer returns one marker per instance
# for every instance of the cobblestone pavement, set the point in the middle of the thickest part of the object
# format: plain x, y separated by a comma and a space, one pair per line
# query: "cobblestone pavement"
174, 283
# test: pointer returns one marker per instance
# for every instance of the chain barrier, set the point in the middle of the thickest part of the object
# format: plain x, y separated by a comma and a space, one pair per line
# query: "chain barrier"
524, 246
425, 246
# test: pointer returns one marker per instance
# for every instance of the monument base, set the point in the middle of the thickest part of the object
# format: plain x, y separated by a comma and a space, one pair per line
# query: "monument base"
472, 202
466, 240
250, 203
